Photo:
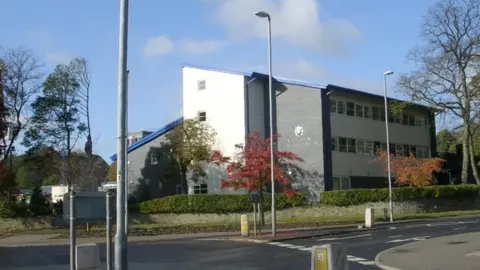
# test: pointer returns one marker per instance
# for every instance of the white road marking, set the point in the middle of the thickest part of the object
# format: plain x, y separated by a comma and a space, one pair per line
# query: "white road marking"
459, 228
408, 239
395, 236
343, 238
350, 258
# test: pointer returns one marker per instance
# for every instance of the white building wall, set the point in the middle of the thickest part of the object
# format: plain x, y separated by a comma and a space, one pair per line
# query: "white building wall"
223, 100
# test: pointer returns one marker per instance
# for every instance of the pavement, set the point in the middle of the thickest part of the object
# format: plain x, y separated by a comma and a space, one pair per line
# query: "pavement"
459, 251
219, 252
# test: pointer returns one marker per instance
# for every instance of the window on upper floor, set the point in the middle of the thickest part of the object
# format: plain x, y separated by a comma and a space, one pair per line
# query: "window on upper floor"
361, 146
397, 117
351, 145
358, 110
333, 106
202, 116
366, 111
334, 144
153, 158
420, 121
342, 144
341, 107
201, 85
375, 113
200, 188
350, 109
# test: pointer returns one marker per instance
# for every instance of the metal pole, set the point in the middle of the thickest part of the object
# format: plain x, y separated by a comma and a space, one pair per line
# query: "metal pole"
270, 94
109, 231
254, 219
126, 156
73, 236
120, 237
390, 205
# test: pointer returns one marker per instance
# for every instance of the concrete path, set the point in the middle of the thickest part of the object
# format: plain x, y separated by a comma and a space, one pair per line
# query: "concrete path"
460, 251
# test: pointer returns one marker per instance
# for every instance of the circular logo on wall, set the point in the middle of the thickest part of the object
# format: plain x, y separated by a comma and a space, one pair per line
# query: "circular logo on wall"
298, 130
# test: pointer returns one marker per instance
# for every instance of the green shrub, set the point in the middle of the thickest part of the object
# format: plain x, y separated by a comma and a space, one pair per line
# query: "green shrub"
361, 196
179, 204
7, 209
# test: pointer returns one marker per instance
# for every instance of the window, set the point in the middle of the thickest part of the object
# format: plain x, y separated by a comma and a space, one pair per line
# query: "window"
341, 107
419, 121
165, 156
342, 144
411, 120
391, 118
397, 118
333, 106
392, 148
358, 110
369, 148
399, 150
350, 109
200, 188
375, 113
405, 119
351, 145
382, 114
376, 147
201, 85
366, 111
202, 116
406, 150
383, 146
334, 144
361, 146
153, 158
341, 183
420, 152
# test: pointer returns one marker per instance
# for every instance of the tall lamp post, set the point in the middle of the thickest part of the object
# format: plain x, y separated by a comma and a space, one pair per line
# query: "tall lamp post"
263, 14
121, 237
389, 172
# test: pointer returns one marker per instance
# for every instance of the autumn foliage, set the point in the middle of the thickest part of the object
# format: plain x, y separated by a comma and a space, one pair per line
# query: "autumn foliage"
410, 171
251, 167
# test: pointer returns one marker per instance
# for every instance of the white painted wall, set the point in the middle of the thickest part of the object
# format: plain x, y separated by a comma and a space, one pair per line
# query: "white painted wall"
223, 100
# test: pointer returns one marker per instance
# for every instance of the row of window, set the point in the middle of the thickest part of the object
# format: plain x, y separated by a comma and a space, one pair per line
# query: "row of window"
201, 85
375, 113
155, 157
366, 147
341, 183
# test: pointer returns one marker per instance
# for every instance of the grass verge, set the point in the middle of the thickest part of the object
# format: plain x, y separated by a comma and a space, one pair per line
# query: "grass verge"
162, 229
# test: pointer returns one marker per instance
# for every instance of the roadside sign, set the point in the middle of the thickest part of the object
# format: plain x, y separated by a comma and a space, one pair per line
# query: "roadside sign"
255, 197
90, 207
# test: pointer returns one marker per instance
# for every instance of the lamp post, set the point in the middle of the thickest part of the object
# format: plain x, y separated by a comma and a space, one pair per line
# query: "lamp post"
121, 237
390, 205
263, 14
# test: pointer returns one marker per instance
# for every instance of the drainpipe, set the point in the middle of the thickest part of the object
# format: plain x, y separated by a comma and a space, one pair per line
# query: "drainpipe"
247, 114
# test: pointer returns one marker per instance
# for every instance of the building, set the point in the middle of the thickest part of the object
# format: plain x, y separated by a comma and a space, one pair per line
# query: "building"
334, 129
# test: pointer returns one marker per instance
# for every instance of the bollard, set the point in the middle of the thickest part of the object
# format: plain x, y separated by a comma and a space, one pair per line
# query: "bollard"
73, 233
109, 231
369, 217
244, 225
329, 257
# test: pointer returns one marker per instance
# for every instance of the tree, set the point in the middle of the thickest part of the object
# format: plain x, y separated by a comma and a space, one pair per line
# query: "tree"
446, 141
446, 64
85, 172
410, 171
191, 144
251, 168
20, 76
56, 120
80, 69
112, 171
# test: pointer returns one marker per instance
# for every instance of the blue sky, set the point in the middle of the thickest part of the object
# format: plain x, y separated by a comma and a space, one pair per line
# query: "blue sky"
344, 42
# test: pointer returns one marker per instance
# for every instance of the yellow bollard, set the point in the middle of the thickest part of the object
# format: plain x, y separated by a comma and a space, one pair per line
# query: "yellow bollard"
320, 258
244, 225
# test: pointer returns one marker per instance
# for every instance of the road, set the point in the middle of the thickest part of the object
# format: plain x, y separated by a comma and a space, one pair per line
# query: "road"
185, 254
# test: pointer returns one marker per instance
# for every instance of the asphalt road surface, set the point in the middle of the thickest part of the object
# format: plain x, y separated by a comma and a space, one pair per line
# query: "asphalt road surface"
362, 247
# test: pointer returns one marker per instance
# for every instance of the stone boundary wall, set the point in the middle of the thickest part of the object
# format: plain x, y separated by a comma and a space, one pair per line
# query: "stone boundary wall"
305, 213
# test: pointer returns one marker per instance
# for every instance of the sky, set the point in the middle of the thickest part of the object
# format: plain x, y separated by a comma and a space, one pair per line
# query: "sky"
344, 42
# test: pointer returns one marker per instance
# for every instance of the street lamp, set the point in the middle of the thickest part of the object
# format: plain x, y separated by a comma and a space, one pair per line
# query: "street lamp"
390, 205
263, 14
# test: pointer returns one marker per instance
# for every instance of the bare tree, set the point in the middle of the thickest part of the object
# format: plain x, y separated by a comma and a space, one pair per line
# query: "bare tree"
84, 170
21, 80
446, 63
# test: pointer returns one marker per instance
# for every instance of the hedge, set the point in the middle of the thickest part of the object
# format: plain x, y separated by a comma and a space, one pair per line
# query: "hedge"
179, 204
361, 196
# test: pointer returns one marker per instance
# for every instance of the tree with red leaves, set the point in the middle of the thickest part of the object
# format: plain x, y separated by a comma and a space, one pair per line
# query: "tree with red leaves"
250, 169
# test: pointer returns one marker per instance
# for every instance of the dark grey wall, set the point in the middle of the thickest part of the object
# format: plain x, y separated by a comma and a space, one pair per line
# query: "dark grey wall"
147, 180
298, 106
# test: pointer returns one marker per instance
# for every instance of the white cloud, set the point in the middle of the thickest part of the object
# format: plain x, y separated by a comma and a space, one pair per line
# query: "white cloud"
198, 47
163, 45
298, 22
158, 46
58, 58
